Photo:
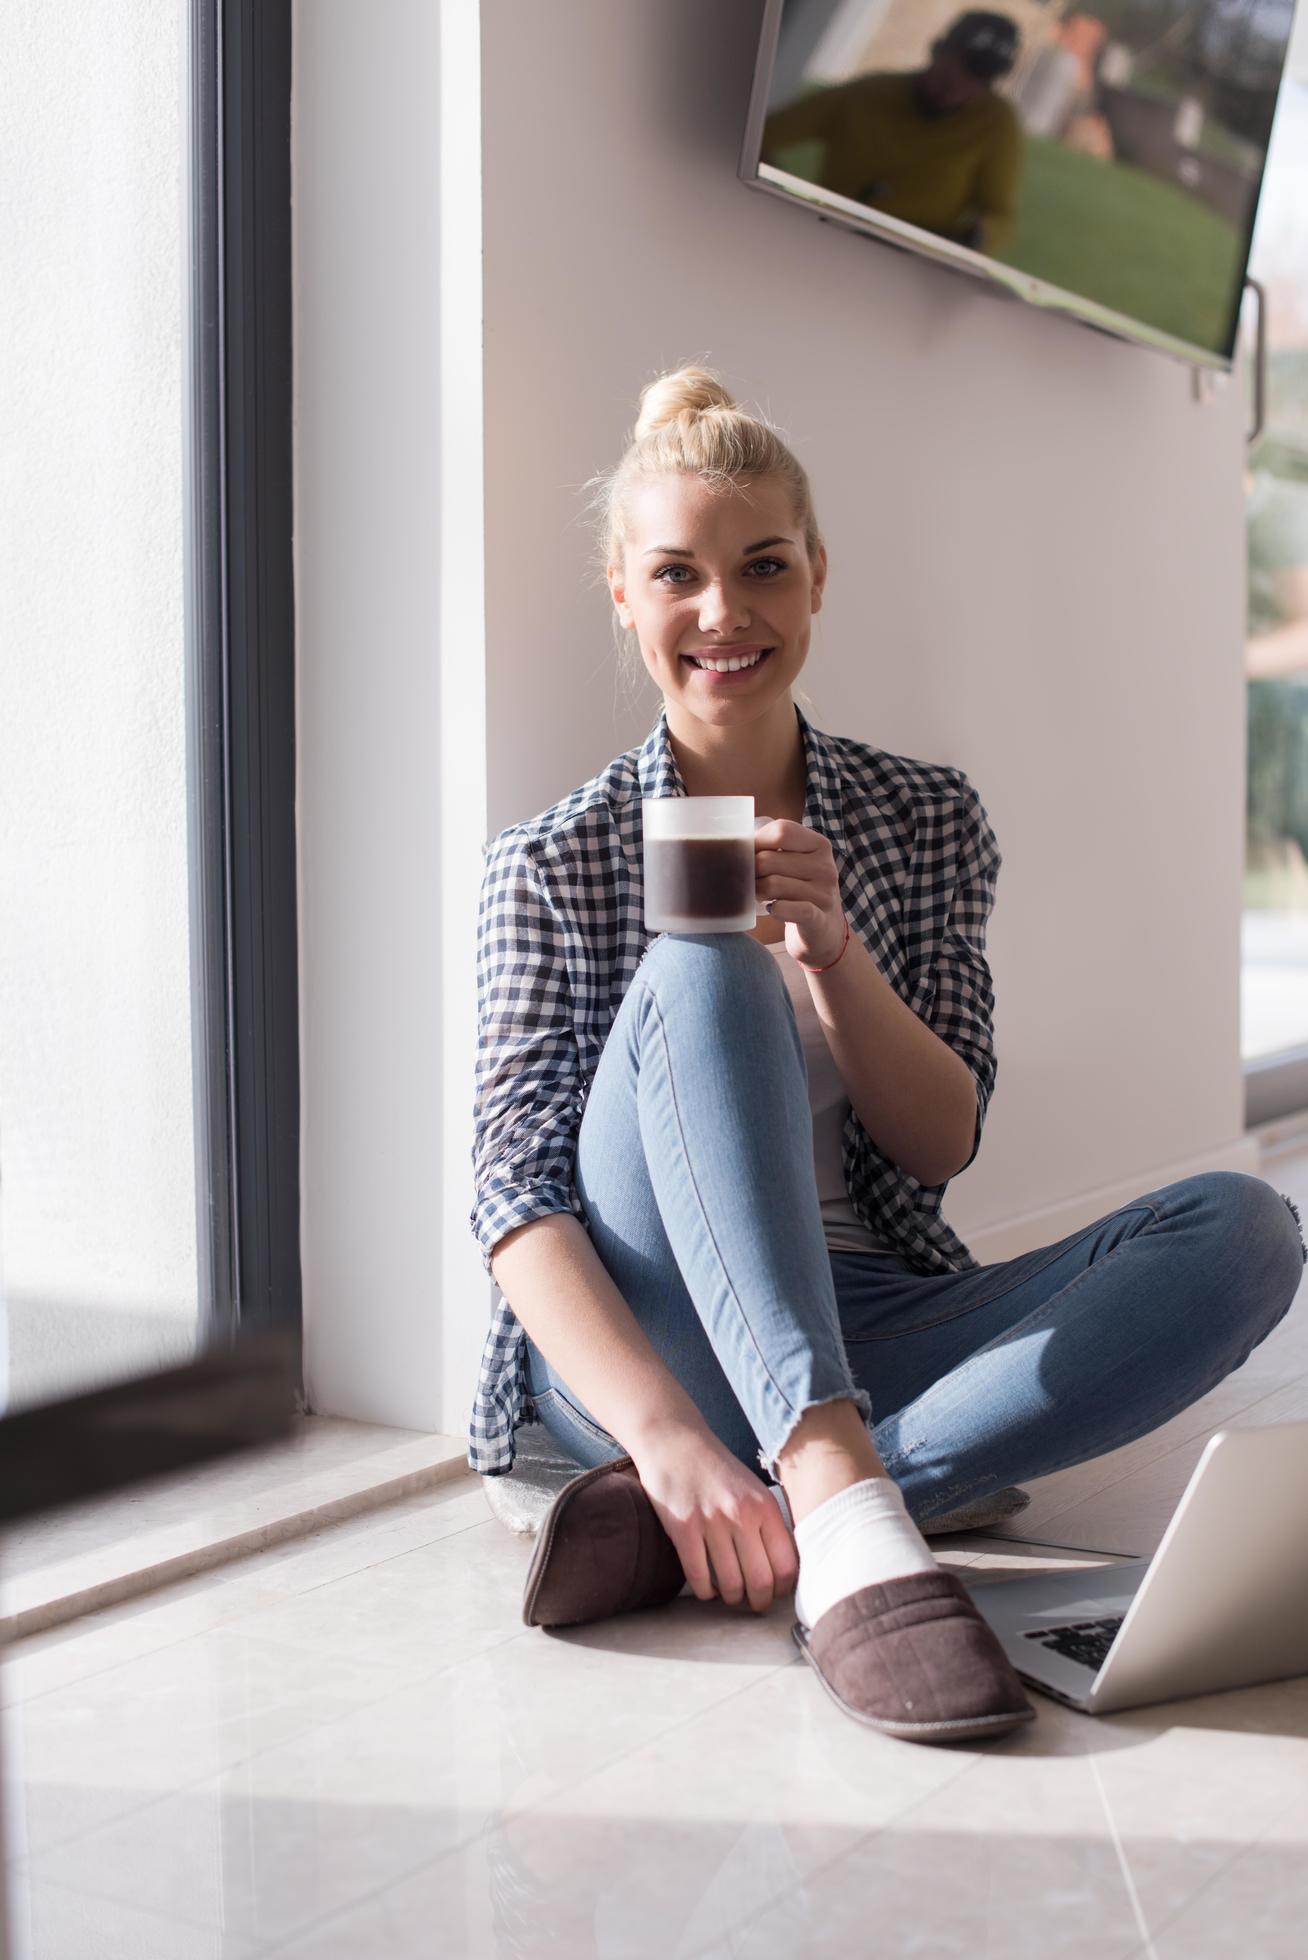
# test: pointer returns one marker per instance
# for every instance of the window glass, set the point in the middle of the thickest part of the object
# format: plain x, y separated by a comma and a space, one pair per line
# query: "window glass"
1274, 998
98, 1272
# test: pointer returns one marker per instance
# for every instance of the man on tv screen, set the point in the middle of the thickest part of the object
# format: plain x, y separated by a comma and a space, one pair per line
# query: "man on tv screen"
936, 147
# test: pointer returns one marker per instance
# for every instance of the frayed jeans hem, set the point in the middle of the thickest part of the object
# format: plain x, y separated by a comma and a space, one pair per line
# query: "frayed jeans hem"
858, 1396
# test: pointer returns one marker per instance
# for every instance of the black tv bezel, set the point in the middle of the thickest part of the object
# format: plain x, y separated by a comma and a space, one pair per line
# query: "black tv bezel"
989, 275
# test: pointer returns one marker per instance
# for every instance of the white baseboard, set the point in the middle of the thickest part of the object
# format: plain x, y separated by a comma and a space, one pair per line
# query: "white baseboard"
994, 1243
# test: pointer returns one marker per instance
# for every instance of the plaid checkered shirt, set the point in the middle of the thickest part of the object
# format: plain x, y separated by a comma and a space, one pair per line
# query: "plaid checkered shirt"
561, 933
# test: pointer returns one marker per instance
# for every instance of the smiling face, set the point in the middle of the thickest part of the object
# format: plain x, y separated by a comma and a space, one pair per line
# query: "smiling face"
717, 572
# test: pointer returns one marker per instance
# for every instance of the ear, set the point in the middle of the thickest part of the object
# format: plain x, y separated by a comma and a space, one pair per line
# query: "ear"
819, 578
618, 591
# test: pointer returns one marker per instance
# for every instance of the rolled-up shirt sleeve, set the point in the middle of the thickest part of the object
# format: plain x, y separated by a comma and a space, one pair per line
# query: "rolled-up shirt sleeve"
527, 1100
963, 1002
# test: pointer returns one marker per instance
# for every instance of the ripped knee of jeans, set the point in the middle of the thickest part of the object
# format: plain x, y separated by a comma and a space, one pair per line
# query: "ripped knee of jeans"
1293, 1210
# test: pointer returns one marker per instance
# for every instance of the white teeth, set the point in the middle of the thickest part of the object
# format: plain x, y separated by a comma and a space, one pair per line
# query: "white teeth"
728, 666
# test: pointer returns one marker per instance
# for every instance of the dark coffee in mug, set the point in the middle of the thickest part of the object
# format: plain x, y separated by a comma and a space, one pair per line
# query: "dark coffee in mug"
699, 877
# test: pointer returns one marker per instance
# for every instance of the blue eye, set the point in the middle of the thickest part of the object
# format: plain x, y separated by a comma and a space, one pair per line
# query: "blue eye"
780, 564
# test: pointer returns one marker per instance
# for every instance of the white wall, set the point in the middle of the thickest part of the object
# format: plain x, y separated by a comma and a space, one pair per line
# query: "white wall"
1036, 546
391, 776
97, 1169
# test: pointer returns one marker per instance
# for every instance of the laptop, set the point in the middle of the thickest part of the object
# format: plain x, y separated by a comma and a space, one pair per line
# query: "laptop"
1223, 1603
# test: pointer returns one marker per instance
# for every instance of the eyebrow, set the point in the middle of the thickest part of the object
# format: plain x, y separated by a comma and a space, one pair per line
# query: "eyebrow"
680, 551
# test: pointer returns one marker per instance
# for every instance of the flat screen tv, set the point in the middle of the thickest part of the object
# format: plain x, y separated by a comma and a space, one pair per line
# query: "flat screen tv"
1101, 159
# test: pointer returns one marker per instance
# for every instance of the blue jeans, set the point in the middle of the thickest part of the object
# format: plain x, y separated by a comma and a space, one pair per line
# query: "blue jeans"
695, 1171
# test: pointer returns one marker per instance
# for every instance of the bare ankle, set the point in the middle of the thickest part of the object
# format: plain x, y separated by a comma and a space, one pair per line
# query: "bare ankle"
829, 1449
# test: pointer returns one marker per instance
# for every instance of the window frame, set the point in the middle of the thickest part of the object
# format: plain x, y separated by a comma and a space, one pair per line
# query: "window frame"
1275, 1085
240, 670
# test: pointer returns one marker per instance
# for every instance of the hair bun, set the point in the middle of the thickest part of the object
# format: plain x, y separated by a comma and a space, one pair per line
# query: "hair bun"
688, 392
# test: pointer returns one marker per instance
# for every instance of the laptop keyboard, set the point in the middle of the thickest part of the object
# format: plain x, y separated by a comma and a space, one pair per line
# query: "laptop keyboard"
1086, 1641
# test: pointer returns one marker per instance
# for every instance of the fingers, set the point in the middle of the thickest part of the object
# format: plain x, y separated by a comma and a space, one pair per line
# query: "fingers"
725, 1555
756, 1569
693, 1553
734, 1544
782, 1551
755, 1558
792, 836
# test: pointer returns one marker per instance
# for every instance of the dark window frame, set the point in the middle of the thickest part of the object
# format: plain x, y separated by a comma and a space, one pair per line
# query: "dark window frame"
240, 671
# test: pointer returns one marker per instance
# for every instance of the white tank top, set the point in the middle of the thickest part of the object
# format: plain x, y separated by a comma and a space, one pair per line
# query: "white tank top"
830, 1105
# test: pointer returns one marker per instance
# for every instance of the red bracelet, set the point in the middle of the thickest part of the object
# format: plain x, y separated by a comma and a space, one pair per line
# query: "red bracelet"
830, 963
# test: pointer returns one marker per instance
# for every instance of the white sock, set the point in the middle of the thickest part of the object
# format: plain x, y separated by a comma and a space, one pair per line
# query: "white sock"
857, 1538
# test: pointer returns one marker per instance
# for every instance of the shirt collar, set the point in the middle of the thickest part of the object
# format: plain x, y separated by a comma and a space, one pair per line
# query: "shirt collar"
824, 807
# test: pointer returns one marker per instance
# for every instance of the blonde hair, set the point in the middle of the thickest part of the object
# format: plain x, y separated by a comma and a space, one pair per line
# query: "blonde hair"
689, 425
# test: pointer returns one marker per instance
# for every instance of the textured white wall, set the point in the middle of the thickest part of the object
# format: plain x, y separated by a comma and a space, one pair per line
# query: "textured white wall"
96, 1144
1036, 548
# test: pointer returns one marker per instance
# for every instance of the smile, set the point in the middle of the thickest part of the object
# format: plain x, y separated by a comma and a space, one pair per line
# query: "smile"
729, 666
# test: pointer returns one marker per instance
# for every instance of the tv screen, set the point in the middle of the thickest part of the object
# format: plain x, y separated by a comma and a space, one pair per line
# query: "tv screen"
1101, 159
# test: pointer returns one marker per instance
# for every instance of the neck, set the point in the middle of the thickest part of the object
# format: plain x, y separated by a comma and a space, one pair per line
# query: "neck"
763, 758
926, 104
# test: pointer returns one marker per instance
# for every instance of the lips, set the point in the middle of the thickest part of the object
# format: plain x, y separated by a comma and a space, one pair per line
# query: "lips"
730, 653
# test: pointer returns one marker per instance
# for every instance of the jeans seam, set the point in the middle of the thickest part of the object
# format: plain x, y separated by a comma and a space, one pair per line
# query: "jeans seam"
743, 1316
1023, 1327
943, 1320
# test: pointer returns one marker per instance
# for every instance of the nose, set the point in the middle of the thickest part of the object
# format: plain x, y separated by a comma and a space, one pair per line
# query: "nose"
720, 612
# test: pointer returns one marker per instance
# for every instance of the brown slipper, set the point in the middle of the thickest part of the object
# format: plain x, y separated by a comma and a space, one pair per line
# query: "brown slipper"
600, 1550
915, 1659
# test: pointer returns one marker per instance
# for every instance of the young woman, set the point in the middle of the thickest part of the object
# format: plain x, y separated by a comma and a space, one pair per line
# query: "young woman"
709, 1167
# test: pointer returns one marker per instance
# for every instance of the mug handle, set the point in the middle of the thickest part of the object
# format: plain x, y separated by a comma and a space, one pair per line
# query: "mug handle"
759, 913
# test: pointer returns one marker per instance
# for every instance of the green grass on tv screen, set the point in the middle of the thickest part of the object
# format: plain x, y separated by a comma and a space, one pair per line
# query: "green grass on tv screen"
1113, 234
1127, 240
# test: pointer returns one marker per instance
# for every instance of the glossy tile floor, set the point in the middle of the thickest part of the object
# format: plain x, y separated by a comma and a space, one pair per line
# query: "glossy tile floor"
350, 1747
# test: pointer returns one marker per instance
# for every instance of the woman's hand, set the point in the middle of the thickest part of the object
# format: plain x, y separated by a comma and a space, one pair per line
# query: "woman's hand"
795, 867
730, 1536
